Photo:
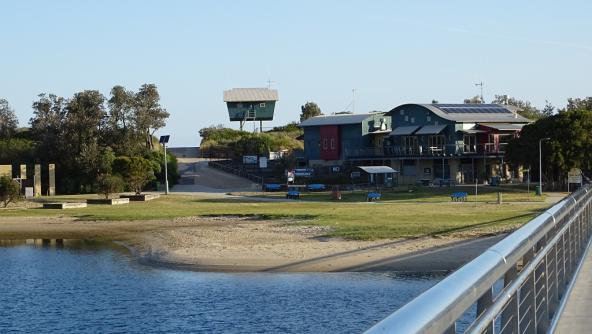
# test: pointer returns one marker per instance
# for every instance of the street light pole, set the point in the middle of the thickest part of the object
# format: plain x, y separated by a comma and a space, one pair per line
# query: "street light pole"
164, 140
541, 165
166, 172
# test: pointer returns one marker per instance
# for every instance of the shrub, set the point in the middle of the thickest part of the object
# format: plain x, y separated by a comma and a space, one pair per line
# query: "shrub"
109, 184
10, 190
136, 171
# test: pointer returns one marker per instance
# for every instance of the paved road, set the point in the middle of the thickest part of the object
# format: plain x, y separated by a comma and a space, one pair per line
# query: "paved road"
577, 315
197, 177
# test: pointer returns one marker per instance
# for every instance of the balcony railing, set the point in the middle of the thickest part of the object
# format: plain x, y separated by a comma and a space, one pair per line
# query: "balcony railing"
427, 151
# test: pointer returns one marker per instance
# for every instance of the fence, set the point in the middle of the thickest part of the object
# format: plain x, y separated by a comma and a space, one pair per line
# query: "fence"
517, 286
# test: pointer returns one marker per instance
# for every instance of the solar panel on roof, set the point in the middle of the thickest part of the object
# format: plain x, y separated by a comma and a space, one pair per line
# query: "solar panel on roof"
461, 109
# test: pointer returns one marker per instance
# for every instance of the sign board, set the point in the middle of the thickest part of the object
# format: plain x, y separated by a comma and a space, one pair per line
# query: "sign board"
307, 172
262, 162
29, 192
355, 174
249, 159
336, 169
574, 176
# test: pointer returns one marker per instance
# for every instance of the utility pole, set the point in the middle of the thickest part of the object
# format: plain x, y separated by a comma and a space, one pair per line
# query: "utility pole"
480, 84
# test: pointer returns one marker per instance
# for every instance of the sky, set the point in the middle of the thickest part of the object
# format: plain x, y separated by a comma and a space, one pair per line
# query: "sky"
390, 52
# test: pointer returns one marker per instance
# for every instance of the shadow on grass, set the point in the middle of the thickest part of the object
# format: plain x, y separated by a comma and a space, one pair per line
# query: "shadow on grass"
261, 216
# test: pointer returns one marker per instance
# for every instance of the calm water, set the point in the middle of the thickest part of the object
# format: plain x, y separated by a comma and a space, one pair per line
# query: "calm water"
98, 288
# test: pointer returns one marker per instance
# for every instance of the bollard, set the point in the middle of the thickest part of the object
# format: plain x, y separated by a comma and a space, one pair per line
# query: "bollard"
499, 198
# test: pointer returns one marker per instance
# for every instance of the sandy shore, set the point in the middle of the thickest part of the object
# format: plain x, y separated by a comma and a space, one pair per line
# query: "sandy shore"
247, 244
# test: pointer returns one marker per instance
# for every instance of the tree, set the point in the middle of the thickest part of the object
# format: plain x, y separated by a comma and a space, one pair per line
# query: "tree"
136, 171
122, 135
149, 115
579, 104
8, 120
525, 108
473, 100
9, 190
308, 110
109, 184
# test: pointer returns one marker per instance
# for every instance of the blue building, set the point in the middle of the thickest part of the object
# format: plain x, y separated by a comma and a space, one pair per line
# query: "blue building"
328, 139
432, 142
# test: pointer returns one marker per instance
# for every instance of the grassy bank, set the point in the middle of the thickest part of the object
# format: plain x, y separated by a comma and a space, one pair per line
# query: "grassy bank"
352, 220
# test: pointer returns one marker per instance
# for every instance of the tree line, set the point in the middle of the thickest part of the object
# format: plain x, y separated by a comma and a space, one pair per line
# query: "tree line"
569, 133
79, 134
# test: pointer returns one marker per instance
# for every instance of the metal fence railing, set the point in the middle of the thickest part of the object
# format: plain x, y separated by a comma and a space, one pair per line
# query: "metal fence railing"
516, 286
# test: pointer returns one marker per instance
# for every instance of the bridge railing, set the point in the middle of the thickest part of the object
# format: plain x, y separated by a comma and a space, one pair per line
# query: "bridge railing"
516, 286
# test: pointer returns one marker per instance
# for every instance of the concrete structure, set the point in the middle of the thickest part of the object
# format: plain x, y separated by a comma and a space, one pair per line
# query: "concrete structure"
51, 191
184, 152
426, 142
250, 104
37, 181
6, 170
61, 206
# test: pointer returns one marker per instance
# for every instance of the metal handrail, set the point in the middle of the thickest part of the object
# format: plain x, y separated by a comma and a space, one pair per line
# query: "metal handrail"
535, 263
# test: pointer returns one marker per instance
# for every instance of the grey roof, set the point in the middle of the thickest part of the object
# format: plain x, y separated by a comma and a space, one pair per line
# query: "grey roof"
493, 113
503, 126
336, 119
377, 169
431, 129
404, 130
250, 95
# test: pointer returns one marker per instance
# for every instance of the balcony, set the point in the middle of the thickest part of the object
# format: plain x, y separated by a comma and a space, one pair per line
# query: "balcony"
488, 149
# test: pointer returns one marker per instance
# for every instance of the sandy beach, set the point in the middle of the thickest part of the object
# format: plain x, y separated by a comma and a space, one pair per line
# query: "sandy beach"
250, 244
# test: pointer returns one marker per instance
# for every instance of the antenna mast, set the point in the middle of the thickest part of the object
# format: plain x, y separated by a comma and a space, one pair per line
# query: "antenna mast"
481, 86
353, 100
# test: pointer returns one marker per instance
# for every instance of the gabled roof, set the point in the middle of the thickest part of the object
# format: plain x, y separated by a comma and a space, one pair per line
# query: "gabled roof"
493, 113
337, 119
250, 95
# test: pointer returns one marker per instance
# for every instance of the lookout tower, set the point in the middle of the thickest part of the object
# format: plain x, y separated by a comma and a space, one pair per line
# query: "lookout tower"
250, 104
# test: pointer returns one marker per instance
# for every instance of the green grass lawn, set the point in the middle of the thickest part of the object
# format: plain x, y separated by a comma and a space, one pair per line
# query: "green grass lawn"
352, 220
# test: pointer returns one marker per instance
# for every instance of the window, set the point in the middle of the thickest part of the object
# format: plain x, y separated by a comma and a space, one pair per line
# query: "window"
332, 143
239, 105
262, 105
412, 119
428, 118
324, 144
436, 143
402, 112
470, 143
410, 145
436, 123
406, 118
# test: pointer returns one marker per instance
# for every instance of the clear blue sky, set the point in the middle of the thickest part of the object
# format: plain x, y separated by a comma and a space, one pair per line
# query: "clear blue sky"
392, 52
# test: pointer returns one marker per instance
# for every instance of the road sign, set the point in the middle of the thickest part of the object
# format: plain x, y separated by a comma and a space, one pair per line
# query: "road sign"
574, 176
262, 162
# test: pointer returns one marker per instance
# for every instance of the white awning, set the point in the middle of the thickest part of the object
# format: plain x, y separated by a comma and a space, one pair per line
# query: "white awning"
377, 169
404, 130
472, 131
430, 129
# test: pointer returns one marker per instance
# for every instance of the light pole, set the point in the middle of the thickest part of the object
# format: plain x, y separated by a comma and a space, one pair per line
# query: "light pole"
164, 140
541, 165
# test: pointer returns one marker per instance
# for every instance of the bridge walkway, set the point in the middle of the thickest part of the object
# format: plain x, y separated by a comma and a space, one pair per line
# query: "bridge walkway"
577, 314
